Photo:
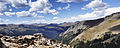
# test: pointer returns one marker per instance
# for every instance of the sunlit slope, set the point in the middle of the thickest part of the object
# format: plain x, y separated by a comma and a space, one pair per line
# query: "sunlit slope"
110, 24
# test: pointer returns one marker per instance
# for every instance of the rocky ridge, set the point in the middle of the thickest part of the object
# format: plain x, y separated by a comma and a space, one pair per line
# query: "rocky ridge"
31, 41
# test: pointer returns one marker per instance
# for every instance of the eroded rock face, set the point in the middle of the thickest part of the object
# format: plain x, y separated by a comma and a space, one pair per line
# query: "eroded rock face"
1, 44
31, 41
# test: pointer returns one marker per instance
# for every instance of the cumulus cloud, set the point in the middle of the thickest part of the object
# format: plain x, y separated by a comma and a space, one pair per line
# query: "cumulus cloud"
66, 1
52, 11
64, 8
81, 17
93, 15
87, 16
32, 21
3, 20
10, 9
3, 7
23, 14
14, 3
19, 3
1, 14
96, 5
9, 14
40, 5
27, 14
112, 10
55, 18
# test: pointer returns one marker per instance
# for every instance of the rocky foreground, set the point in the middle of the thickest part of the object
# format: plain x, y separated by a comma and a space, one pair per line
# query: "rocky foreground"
30, 41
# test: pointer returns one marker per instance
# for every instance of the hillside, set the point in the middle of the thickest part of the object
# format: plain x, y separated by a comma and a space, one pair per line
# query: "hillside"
49, 30
110, 24
109, 40
77, 28
90, 30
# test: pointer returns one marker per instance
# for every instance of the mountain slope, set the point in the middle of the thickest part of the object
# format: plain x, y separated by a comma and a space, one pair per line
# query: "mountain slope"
111, 24
78, 28
109, 40
49, 30
106, 26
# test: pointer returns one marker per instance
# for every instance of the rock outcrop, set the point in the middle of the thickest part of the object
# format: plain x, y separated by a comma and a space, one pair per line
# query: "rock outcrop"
31, 41
1, 44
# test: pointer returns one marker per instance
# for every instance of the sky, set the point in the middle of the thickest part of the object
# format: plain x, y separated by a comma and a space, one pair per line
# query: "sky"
55, 11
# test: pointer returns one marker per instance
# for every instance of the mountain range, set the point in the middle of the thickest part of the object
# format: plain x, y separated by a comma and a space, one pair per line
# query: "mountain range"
102, 32
49, 30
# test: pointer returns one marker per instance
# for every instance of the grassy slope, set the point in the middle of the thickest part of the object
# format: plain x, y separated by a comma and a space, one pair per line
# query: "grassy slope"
98, 31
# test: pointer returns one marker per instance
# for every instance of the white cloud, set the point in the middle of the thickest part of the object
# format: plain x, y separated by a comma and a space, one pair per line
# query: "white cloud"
14, 3
22, 22
28, 14
67, 7
39, 21
40, 5
55, 18
3, 7
10, 9
83, 9
33, 21
66, 1
39, 16
36, 15
53, 11
109, 11
18, 3
3, 20
93, 15
96, 5
87, 16
46, 21
9, 14
23, 14
1, 14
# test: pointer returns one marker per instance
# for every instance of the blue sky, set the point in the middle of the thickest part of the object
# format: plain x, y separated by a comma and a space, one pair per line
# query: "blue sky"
54, 11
